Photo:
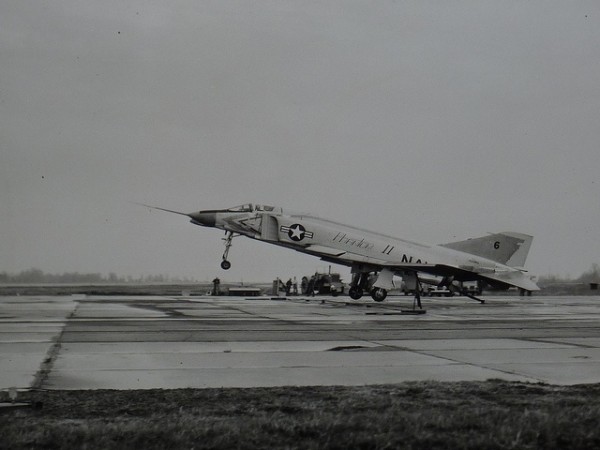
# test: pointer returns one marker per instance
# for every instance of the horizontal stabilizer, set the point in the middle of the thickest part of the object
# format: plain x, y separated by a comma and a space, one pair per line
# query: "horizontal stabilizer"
507, 248
517, 279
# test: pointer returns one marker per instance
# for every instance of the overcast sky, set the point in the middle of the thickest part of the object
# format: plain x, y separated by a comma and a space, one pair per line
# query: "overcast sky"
428, 120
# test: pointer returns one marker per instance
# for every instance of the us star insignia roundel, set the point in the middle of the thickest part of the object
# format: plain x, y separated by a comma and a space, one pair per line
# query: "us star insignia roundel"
296, 232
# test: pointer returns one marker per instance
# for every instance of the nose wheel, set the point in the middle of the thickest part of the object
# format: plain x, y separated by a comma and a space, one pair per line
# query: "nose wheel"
226, 265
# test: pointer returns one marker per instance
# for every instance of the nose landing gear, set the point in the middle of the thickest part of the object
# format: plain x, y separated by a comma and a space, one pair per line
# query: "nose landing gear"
229, 235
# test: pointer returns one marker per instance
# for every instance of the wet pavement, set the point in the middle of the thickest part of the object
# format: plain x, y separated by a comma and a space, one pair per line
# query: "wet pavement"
119, 342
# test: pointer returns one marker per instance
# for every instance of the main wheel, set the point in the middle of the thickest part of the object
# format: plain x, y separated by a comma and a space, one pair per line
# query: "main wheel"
225, 265
355, 292
378, 294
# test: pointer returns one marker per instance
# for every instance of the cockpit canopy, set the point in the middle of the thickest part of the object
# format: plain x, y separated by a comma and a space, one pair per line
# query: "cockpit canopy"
241, 208
266, 208
248, 207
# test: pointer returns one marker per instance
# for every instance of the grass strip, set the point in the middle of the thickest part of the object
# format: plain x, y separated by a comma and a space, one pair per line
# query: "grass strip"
415, 415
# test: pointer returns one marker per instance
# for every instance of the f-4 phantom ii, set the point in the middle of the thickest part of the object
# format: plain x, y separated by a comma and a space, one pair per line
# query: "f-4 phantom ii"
374, 258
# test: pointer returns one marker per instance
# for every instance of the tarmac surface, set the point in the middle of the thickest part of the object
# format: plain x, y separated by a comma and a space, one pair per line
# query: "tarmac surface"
136, 342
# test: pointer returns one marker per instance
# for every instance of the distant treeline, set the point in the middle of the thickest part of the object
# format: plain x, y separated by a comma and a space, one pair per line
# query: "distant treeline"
38, 276
589, 276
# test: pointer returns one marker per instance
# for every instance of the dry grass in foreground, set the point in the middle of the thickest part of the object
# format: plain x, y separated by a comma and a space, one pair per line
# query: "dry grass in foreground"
417, 415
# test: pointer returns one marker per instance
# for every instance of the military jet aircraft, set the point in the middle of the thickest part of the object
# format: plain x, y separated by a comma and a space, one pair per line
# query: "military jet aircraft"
496, 259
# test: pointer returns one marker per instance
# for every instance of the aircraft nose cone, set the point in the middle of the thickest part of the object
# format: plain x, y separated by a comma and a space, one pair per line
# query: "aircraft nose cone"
204, 218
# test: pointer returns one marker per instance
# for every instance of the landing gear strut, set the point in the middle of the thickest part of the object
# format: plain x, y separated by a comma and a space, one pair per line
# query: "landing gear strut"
229, 235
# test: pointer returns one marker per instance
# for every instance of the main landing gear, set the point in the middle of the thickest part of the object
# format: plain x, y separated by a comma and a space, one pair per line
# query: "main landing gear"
378, 294
229, 235
360, 283
363, 282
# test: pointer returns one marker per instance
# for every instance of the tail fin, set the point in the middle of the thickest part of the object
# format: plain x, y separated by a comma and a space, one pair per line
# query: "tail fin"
506, 248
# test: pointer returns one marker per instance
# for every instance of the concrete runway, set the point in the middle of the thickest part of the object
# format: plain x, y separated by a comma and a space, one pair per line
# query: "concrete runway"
122, 342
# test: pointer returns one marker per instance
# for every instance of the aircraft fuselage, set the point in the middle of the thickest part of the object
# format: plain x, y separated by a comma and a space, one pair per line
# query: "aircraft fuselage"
495, 259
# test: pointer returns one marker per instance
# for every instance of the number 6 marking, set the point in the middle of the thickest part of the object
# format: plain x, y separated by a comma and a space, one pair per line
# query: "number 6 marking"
497, 245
